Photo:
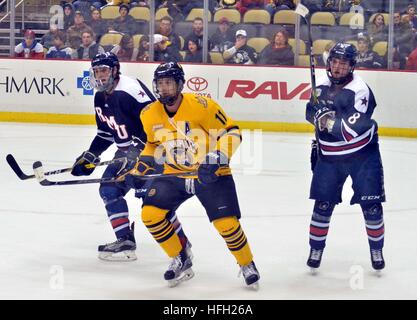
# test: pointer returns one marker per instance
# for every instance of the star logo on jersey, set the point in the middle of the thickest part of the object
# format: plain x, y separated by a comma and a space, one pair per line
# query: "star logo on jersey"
364, 101
84, 83
141, 93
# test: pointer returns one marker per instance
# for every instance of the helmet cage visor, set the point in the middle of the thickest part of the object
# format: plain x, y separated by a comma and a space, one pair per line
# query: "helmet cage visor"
101, 77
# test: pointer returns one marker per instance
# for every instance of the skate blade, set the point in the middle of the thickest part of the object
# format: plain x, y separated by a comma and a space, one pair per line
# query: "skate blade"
314, 271
185, 276
128, 255
254, 286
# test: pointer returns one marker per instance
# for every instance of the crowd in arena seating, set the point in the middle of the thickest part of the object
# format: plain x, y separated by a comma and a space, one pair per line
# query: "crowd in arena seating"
238, 37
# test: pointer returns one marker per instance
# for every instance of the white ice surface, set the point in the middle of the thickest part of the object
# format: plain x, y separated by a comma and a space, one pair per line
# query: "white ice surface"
49, 235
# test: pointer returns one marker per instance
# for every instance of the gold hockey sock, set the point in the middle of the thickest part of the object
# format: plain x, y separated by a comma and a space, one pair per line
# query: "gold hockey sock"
162, 230
230, 229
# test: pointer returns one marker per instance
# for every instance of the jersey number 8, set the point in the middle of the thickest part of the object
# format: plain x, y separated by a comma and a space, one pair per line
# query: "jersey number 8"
352, 119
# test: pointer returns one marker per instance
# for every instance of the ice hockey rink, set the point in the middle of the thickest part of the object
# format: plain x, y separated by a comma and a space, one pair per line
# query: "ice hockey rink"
49, 235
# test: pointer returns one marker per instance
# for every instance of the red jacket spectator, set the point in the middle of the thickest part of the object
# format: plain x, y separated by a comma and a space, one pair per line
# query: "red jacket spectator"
412, 60
29, 48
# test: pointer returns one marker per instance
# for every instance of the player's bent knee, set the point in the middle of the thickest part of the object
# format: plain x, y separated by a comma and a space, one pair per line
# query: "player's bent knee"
108, 193
324, 207
372, 211
226, 225
152, 215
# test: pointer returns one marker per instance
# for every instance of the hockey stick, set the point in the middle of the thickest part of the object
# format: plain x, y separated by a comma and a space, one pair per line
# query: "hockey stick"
304, 12
40, 175
22, 176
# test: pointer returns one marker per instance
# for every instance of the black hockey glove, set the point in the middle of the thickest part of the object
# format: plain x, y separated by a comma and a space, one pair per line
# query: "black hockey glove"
132, 158
213, 162
85, 164
323, 117
145, 166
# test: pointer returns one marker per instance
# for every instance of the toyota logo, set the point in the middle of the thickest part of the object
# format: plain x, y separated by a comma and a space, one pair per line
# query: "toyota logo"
197, 84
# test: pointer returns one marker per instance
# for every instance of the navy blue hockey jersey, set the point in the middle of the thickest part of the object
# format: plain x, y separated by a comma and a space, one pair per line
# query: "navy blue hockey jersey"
118, 114
354, 130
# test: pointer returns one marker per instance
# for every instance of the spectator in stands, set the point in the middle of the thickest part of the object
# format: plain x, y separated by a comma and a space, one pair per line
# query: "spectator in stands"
245, 5
130, 3
78, 28
366, 57
29, 48
240, 52
194, 52
85, 7
125, 50
164, 52
197, 32
179, 9
273, 6
403, 39
59, 50
143, 54
336, 5
88, 48
411, 18
377, 30
98, 25
125, 23
278, 52
224, 36
68, 15
47, 39
165, 28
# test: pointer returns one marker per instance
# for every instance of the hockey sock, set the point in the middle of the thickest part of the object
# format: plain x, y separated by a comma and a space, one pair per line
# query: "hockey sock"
320, 222
118, 214
231, 231
374, 222
162, 229
172, 217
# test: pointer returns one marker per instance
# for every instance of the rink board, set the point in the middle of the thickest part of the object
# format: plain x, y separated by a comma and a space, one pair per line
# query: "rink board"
268, 98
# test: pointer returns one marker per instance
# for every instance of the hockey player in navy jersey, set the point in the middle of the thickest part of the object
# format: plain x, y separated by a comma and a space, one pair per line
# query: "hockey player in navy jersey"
347, 145
117, 103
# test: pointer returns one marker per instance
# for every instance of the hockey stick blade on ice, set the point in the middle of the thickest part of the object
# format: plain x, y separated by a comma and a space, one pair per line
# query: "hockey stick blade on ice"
40, 175
22, 176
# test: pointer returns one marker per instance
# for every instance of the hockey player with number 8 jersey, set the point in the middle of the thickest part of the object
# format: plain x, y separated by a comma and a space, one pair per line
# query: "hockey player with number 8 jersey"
347, 145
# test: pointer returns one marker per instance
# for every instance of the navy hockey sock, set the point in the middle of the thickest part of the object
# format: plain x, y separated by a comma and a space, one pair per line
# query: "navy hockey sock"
118, 214
320, 222
374, 222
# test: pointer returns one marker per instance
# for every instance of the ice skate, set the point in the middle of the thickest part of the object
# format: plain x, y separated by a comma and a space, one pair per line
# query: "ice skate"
251, 275
377, 259
179, 269
314, 260
123, 249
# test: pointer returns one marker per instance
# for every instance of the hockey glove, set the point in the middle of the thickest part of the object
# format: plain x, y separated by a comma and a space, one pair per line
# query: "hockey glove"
145, 165
324, 118
213, 162
85, 164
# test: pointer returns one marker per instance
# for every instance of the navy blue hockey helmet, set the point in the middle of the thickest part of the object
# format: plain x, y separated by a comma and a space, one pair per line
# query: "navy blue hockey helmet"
343, 51
104, 60
169, 70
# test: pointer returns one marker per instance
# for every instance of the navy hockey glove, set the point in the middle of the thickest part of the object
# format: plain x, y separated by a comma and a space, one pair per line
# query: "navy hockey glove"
85, 164
323, 117
213, 162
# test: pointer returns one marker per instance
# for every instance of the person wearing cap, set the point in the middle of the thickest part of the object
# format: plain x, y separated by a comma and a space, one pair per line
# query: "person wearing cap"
125, 23
29, 48
164, 51
68, 15
367, 58
240, 52
48, 38
224, 36
79, 27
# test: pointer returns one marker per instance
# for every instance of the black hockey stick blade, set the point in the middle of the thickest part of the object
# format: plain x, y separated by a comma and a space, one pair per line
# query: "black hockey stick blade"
15, 167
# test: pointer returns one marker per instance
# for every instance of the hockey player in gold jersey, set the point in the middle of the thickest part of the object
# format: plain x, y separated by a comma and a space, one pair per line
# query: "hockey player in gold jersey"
190, 134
